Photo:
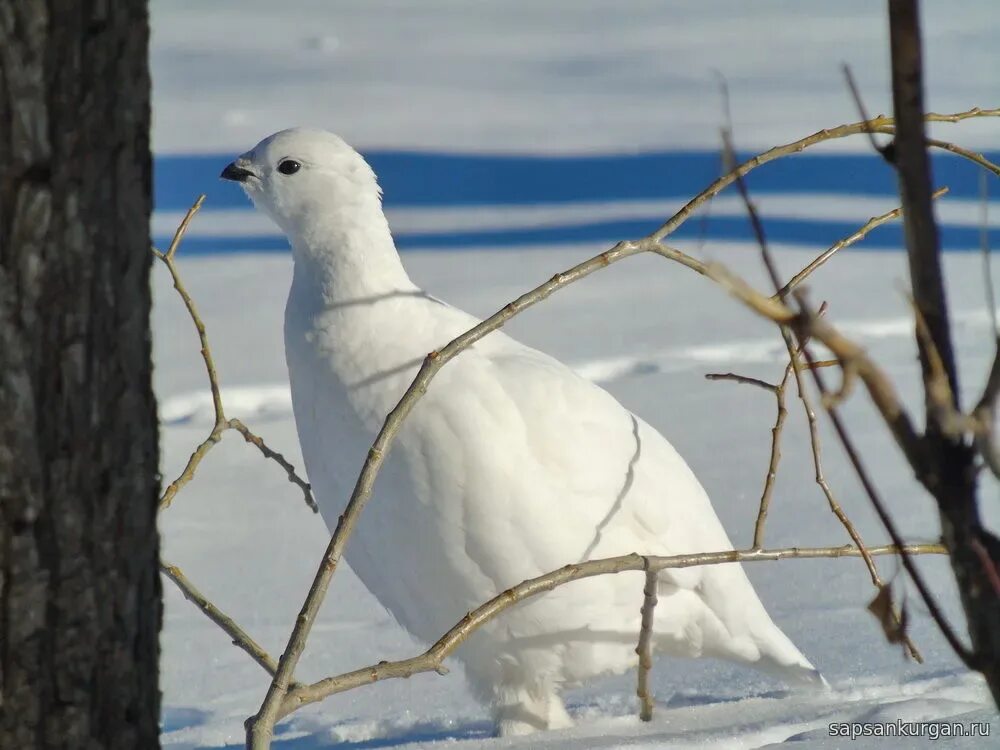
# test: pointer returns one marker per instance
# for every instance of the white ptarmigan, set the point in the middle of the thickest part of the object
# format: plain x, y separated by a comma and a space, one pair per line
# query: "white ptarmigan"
511, 465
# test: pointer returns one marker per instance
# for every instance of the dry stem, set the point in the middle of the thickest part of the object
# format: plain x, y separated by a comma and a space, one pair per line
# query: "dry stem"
222, 424
239, 636
880, 124
772, 465
854, 360
645, 647
795, 356
985, 411
860, 234
432, 659
267, 452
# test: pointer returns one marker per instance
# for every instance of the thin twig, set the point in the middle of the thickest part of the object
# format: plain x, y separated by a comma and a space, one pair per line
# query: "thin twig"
729, 155
772, 464
984, 251
432, 659
855, 363
775, 457
187, 474
795, 354
854, 359
940, 400
221, 423
206, 354
644, 649
835, 507
239, 636
819, 476
885, 151
742, 379
880, 124
985, 411
965, 154
929, 601
786, 335
267, 452
872, 223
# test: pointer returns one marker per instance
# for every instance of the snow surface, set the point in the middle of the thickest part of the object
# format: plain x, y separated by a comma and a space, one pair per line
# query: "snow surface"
544, 78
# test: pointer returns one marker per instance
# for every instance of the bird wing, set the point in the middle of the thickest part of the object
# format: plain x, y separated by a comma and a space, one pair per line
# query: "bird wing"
551, 470
554, 470
619, 471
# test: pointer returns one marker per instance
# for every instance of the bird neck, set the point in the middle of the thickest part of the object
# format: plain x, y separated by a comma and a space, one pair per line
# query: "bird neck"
349, 257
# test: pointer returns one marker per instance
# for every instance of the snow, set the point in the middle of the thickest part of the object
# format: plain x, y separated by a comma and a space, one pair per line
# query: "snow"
540, 79
553, 77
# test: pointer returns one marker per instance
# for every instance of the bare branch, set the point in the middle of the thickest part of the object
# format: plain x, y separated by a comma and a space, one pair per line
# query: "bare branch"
190, 468
431, 660
965, 154
876, 382
985, 412
772, 465
819, 476
221, 423
821, 363
949, 470
984, 416
729, 159
795, 354
940, 399
880, 124
852, 86
882, 394
984, 250
872, 223
182, 228
960, 649
959, 116
838, 511
742, 379
267, 452
645, 647
775, 457
239, 636
206, 352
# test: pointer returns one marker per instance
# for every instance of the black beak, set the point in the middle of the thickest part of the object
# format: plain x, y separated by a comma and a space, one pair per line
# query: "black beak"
235, 173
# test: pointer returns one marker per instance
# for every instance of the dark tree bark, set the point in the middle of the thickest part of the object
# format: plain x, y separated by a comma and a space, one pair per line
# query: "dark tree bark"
79, 586
949, 471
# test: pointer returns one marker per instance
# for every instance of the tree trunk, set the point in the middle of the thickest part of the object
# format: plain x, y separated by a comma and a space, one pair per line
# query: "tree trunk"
80, 604
949, 472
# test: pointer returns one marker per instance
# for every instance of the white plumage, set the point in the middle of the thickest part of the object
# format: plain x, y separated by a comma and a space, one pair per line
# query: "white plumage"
510, 466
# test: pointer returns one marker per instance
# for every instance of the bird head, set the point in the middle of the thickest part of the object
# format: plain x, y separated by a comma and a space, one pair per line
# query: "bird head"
296, 175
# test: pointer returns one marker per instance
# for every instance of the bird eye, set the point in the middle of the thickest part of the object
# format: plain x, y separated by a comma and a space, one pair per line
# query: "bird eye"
289, 166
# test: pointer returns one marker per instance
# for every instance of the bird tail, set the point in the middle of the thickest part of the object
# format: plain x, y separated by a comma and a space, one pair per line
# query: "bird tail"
795, 673
731, 597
